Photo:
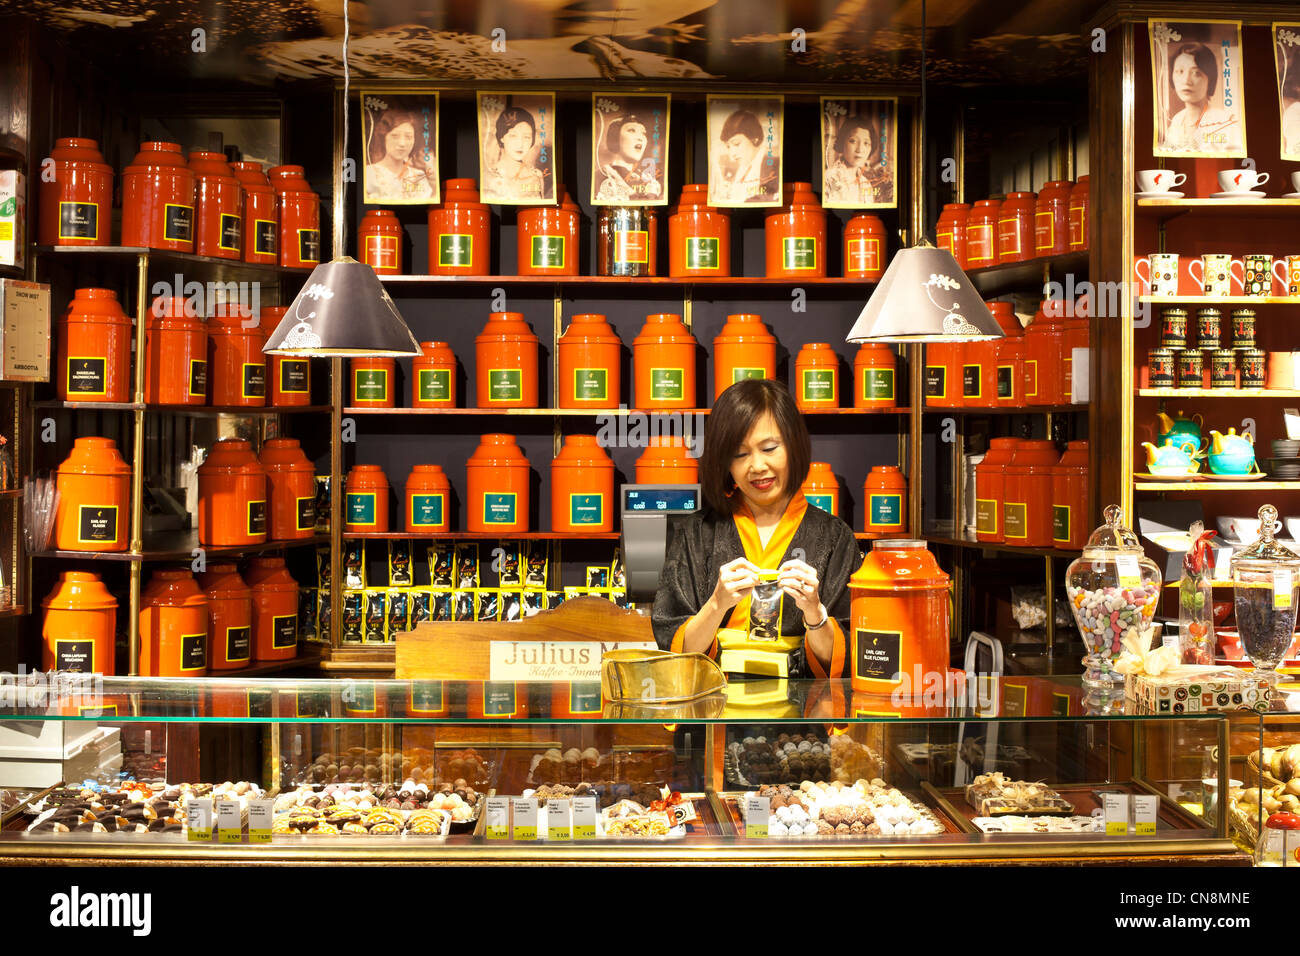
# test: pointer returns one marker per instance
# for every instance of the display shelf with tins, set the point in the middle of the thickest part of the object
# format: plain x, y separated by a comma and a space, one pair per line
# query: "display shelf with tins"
581, 284
592, 413
198, 410
183, 545
1218, 393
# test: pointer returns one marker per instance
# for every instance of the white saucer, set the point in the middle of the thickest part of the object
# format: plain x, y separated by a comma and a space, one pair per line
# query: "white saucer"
1169, 194
1291, 196
1242, 194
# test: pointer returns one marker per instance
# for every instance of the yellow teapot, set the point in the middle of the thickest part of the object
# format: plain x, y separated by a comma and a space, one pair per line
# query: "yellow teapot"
1172, 459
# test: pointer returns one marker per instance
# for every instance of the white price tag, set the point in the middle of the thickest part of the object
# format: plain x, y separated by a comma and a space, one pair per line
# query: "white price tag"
1130, 576
261, 814
198, 818
1115, 809
1274, 853
584, 818
229, 822
497, 819
525, 824
757, 811
1145, 809
1282, 585
559, 825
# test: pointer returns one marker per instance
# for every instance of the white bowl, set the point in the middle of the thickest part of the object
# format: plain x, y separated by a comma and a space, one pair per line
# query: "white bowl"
1293, 528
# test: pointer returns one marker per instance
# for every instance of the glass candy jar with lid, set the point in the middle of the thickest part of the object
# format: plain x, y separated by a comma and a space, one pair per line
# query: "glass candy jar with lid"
1113, 589
1266, 592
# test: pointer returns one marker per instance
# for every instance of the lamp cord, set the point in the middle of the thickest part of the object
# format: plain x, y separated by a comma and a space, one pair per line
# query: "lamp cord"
346, 107
921, 143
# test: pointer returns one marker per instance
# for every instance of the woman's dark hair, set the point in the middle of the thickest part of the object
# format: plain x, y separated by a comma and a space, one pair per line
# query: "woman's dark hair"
615, 130
846, 130
388, 121
744, 122
1206, 62
734, 415
512, 117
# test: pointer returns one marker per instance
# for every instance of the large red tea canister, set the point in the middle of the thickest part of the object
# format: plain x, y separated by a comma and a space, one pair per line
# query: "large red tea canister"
667, 462
582, 487
232, 496
94, 360
297, 209
1007, 382
950, 230
505, 354
875, 375
236, 363
460, 232
816, 377
864, 247
1079, 215
94, 508
943, 374
76, 203
173, 626
627, 241
218, 207
547, 238
379, 241
884, 498
80, 625
822, 488
590, 364
699, 236
291, 481
275, 609
158, 199
366, 505
261, 229
899, 619
289, 377
663, 364
428, 499
433, 376
374, 382
990, 481
498, 478
230, 618
1027, 494
1044, 363
982, 234
176, 354
1052, 218
1070, 497
980, 361
1016, 227
743, 349
795, 235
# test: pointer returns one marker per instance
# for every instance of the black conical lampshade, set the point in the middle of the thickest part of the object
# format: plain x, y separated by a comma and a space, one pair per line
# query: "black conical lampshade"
342, 310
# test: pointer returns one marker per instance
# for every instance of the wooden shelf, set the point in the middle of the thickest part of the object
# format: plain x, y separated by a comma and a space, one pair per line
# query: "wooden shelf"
624, 282
1028, 274
589, 413
1199, 486
1219, 392
1267, 208
1220, 299
1003, 548
480, 536
177, 546
16, 610
218, 267
1025, 410
182, 409
12, 493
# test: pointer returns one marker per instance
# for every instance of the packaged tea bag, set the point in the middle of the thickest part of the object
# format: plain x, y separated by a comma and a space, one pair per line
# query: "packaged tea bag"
509, 572
573, 591
765, 602
442, 565
597, 576
323, 616
376, 616
440, 603
398, 612
353, 616
322, 504
323, 567
399, 563
489, 604
354, 565
617, 575
307, 613
532, 602
535, 564
511, 605
464, 606
554, 599
421, 606
467, 575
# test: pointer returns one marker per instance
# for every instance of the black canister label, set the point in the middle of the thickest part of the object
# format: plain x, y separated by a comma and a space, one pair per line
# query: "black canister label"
96, 524
178, 223
231, 229
87, 376
877, 653
78, 220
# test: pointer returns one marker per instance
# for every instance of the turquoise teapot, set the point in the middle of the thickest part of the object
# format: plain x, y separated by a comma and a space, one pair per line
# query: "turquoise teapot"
1232, 454
1172, 460
1182, 429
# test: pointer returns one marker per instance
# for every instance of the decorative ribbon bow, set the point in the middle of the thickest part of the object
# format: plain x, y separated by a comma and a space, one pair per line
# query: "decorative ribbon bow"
1139, 659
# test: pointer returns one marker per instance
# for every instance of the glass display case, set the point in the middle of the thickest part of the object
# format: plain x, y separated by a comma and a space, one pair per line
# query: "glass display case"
771, 771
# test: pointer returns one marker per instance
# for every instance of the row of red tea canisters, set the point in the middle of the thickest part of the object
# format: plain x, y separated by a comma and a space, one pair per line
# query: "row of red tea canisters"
699, 238
200, 204
1029, 494
590, 352
244, 499
1032, 365
582, 489
1020, 226
188, 361
188, 627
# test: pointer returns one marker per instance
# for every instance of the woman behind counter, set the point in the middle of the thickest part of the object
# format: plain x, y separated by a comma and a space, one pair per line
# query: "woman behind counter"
756, 456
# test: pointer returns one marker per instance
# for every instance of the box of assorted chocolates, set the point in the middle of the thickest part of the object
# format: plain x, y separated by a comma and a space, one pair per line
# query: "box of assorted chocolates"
1197, 690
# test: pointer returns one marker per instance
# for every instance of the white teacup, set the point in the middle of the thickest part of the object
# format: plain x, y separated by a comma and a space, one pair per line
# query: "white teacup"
1293, 526
1295, 180
1248, 529
1240, 180
1160, 180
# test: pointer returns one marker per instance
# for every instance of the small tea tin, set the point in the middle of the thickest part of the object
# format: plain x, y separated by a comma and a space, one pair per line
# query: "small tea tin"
1160, 363
1243, 329
1173, 328
1189, 368
1253, 368
1208, 324
1223, 369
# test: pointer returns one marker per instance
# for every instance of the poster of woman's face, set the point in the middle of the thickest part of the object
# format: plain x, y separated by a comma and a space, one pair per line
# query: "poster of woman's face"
629, 150
859, 153
399, 136
745, 150
516, 137
1198, 89
1286, 57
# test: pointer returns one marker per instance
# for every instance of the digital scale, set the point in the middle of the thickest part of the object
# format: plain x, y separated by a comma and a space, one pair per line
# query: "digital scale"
643, 514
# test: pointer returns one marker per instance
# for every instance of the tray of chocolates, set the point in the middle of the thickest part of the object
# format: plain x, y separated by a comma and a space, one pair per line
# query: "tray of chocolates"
994, 794
341, 821
133, 808
866, 809
461, 802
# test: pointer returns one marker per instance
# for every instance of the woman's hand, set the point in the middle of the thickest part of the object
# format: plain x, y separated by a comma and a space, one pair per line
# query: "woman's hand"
735, 580
799, 580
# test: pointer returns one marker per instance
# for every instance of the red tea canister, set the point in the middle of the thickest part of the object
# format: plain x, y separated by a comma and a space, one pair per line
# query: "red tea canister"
875, 376
94, 357
864, 247
433, 376
76, 204
1008, 380
232, 496
1044, 363
428, 494
743, 349
94, 507
943, 374
460, 232
795, 235
275, 610
366, 505
379, 241
816, 377
218, 207
582, 487
498, 479
173, 626
297, 210
230, 618
950, 230
590, 364
374, 382
990, 481
547, 238
261, 229
79, 626
505, 355
1079, 214
158, 199
982, 234
291, 482
667, 462
290, 377
1052, 218
663, 364
176, 355
884, 497
1027, 494
1070, 497
980, 361
699, 236
1016, 227
236, 364
822, 488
